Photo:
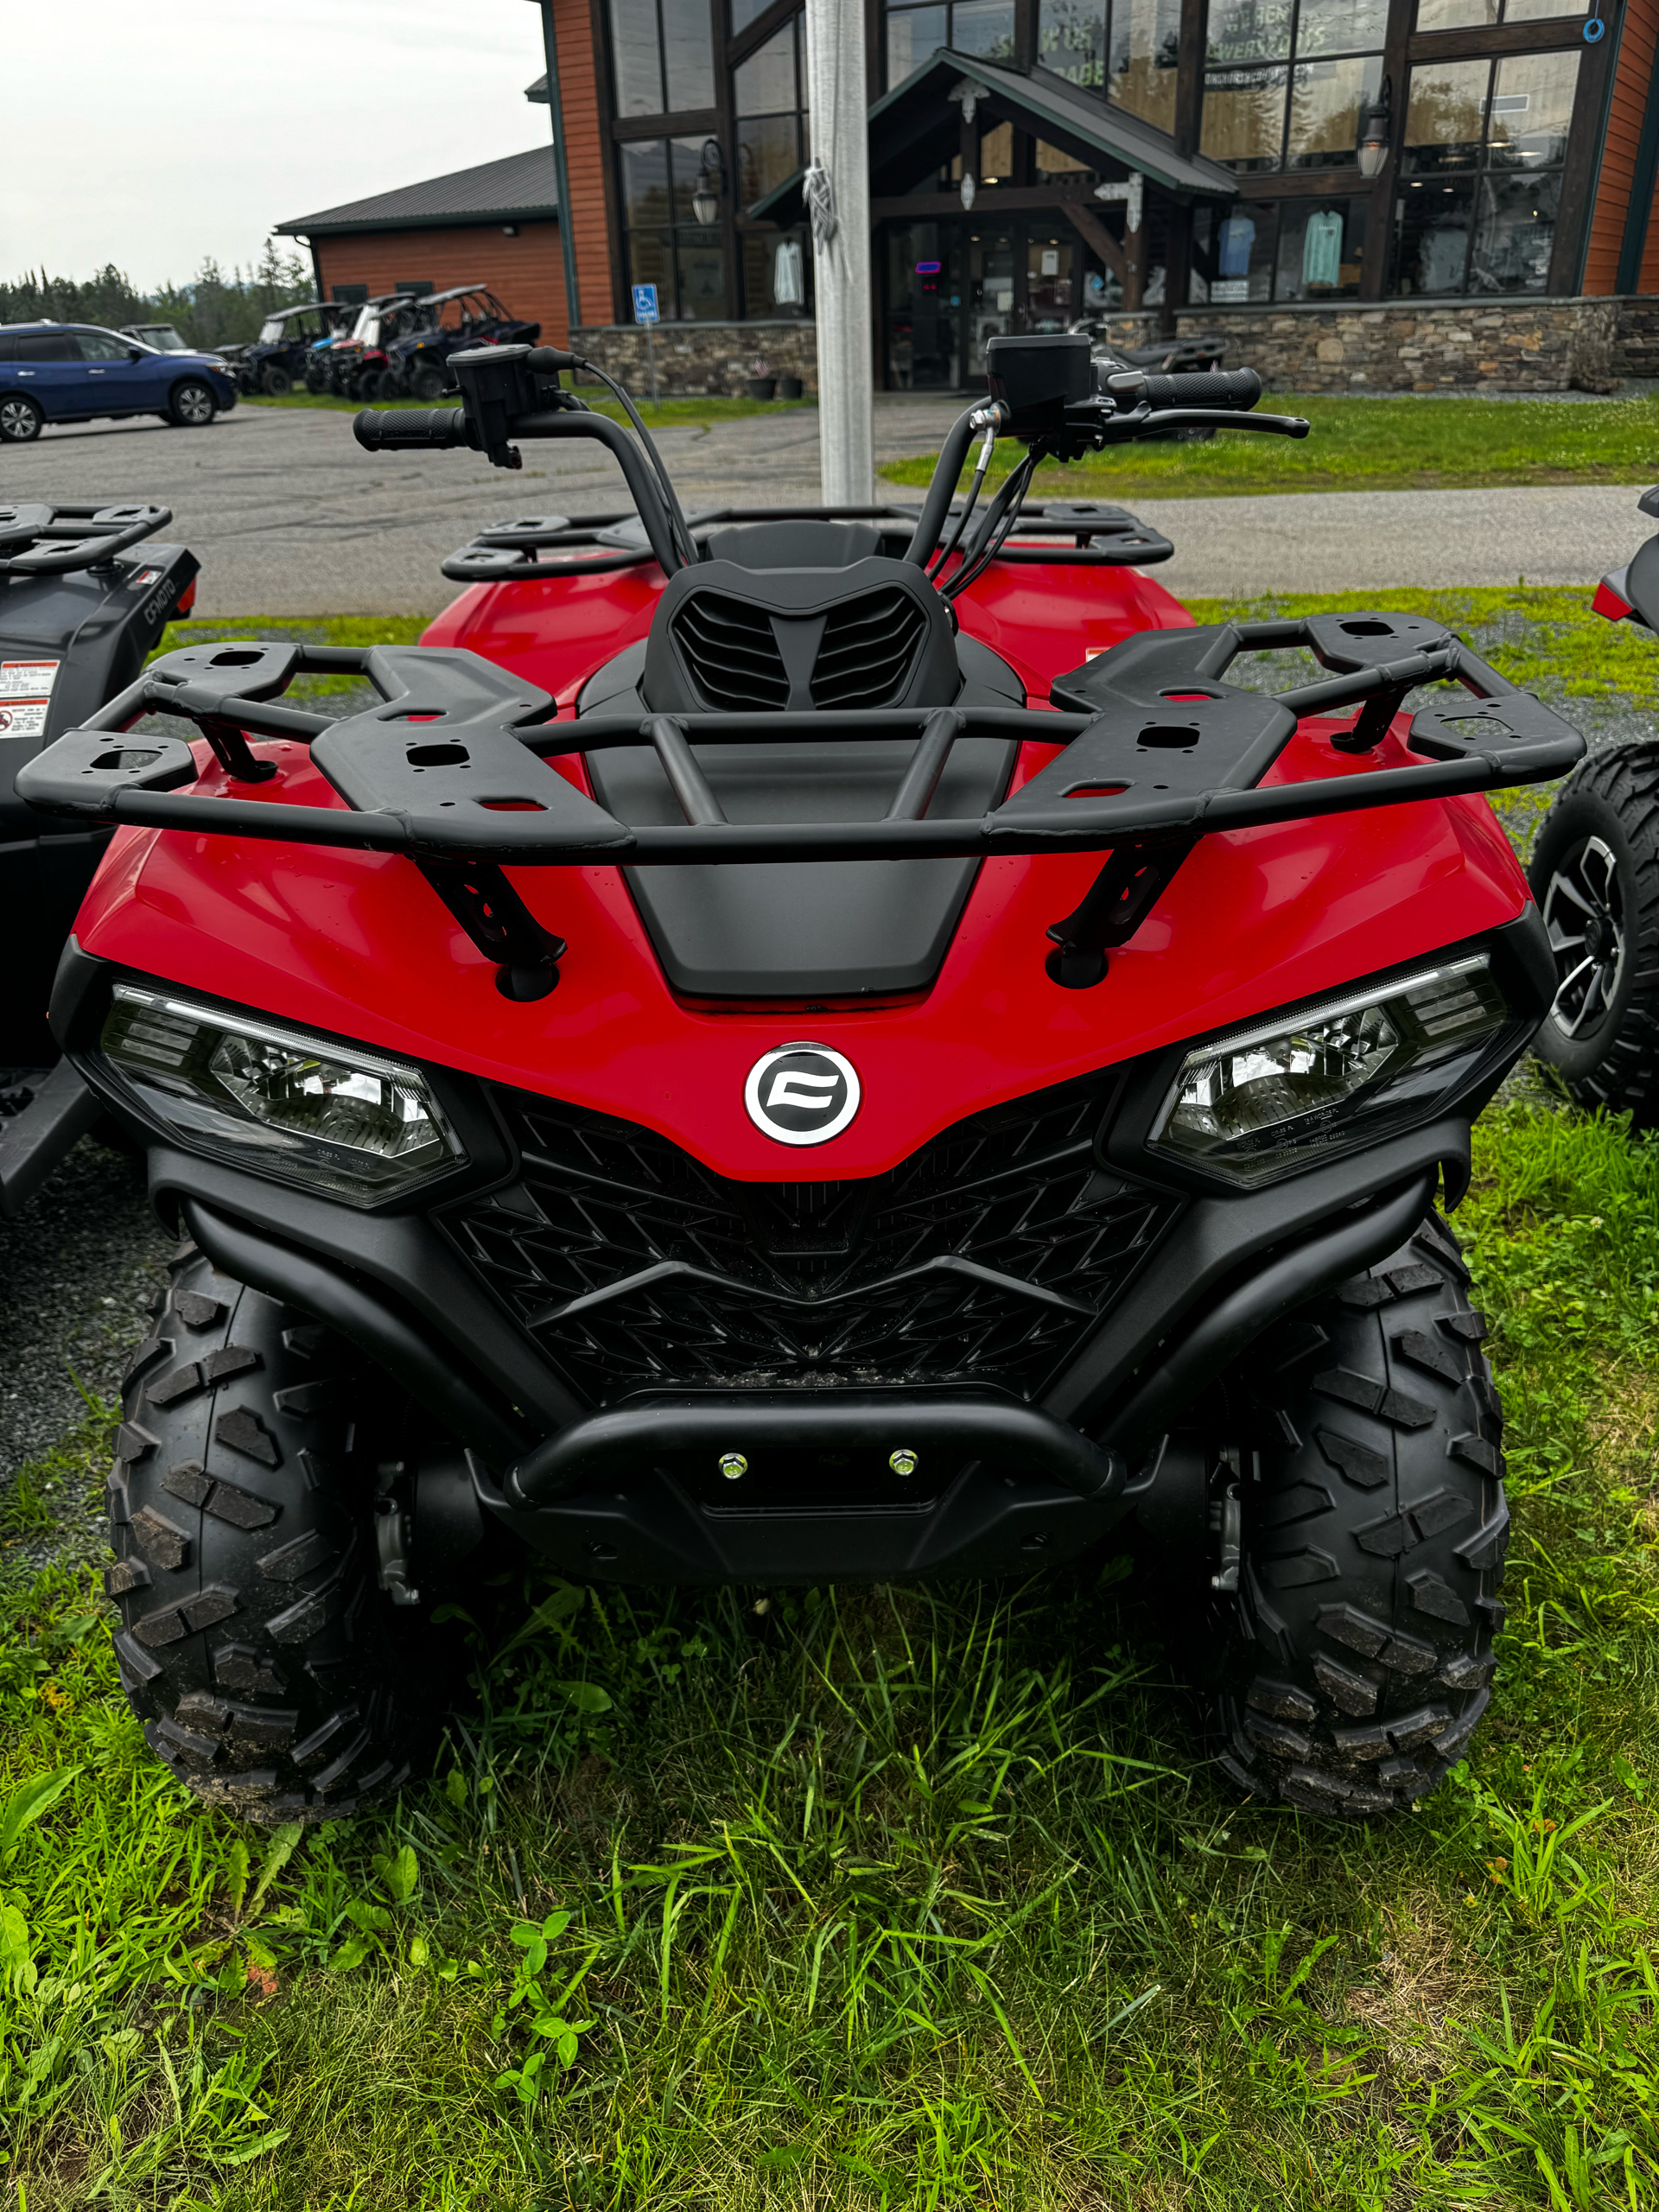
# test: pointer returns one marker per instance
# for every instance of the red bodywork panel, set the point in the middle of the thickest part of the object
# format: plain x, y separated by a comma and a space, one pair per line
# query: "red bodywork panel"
359, 945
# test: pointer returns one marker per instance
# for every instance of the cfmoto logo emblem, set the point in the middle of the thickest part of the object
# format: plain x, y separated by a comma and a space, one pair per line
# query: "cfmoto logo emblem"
802, 1094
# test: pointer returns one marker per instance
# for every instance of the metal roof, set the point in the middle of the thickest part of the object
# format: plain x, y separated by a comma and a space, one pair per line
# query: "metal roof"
1055, 109
520, 185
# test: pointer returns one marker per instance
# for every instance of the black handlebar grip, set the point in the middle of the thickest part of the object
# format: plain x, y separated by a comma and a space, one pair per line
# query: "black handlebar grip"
405, 430
1239, 388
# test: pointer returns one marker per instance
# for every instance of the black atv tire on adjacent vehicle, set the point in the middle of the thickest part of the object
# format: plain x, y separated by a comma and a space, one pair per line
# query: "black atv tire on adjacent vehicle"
270, 1669
276, 383
1594, 872
1373, 1533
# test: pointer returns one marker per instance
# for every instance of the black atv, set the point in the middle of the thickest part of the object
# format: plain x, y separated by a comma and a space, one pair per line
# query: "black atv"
279, 357
417, 364
79, 610
1594, 872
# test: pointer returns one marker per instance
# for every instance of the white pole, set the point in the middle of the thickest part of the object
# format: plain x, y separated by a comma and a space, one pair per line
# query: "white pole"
841, 243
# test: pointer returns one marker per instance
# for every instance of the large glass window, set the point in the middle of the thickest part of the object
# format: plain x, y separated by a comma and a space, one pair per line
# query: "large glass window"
661, 52
1480, 15
984, 26
1287, 83
1128, 49
769, 94
1481, 168
666, 246
1261, 250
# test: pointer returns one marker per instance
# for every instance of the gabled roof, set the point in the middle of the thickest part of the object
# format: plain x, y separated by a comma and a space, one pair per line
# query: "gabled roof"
520, 185
1049, 106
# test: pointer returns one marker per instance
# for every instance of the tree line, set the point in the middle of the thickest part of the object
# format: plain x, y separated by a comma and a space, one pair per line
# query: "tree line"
214, 309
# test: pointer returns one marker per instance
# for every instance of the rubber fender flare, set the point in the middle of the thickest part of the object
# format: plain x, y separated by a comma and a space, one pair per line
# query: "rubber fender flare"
406, 1353
1240, 1315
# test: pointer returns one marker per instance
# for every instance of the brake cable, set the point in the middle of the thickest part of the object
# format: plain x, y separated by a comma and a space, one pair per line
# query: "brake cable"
993, 533
974, 490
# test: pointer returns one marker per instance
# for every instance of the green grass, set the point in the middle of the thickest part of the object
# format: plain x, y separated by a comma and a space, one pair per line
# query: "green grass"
1358, 445
668, 414
897, 1901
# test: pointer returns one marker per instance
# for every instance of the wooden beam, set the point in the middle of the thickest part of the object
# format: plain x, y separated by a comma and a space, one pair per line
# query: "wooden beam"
1095, 233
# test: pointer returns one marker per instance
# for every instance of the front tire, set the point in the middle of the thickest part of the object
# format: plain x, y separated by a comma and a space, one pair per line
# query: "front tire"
1595, 874
21, 419
276, 384
427, 384
193, 406
1374, 1528
270, 1669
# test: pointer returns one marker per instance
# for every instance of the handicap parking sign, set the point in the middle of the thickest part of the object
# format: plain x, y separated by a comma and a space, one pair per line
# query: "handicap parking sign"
644, 303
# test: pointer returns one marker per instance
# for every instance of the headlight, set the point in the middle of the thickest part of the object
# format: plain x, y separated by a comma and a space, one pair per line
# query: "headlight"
329, 1116
1250, 1107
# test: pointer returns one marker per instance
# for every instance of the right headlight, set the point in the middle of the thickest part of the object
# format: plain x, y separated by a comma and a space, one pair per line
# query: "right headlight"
336, 1117
1252, 1106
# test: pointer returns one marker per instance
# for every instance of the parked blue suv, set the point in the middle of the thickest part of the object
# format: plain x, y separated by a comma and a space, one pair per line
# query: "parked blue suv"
70, 372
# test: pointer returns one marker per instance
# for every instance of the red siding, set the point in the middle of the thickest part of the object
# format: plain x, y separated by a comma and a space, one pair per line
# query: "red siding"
584, 156
1624, 114
524, 273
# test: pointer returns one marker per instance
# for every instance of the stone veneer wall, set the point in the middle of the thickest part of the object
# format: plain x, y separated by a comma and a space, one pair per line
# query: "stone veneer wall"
1539, 346
1409, 346
695, 358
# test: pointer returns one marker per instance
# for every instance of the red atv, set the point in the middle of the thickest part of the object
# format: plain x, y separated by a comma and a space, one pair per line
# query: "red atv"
837, 1046
1595, 874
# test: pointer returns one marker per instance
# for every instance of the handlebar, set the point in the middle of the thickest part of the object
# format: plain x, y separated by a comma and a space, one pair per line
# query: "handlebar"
409, 429
1229, 388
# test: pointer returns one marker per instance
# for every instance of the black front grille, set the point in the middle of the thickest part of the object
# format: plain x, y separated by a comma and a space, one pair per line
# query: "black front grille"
730, 653
985, 1257
868, 648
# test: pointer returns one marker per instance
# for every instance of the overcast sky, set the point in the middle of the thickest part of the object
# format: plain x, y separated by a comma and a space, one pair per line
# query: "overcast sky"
149, 135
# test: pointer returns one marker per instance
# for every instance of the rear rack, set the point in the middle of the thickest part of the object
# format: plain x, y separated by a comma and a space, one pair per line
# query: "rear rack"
454, 769
1075, 533
37, 540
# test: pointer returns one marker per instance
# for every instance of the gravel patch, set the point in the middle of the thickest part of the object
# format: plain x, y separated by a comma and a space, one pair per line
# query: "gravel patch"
78, 1268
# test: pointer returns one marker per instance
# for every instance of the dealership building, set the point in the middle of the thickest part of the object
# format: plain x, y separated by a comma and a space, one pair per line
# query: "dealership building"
1390, 194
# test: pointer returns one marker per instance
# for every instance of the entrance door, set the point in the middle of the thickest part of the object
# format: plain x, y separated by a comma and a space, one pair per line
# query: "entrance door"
923, 306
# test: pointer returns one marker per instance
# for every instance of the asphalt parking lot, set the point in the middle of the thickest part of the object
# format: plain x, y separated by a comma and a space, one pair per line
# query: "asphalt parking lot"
288, 517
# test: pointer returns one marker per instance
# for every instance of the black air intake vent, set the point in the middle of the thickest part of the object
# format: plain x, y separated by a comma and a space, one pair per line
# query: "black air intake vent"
730, 653
868, 650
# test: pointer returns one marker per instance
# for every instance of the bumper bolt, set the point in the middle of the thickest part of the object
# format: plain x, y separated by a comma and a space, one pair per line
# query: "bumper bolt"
904, 1463
733, 1464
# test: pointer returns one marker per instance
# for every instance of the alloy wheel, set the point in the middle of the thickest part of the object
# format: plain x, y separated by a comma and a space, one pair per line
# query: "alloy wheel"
1584, 912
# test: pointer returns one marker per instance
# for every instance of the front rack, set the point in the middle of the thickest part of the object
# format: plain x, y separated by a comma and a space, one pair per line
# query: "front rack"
454, 767
38, 540
1077, 533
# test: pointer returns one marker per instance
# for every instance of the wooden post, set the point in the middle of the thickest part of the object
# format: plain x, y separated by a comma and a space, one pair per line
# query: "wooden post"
836, 91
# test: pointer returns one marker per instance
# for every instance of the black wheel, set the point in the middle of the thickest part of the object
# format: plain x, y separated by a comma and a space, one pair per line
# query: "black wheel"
276, 383
370, 387
258, 1641
193, 405
1372, 1528
427, 382
315, 382
20, 418
1595, 875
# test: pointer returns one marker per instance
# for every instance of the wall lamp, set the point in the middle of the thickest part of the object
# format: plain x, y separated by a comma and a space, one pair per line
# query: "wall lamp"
706, 191
1375, 129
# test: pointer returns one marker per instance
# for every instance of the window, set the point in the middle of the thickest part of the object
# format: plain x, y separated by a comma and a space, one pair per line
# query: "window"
1481, 173
349, 295
984, 26
1286, 84
102, 346
663, 54
665, 247
1128, 49
1261, 250
1480, 15
46, 345
769, 96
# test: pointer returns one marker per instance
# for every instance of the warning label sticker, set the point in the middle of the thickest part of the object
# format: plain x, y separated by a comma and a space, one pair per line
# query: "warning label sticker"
28, 679
23, 717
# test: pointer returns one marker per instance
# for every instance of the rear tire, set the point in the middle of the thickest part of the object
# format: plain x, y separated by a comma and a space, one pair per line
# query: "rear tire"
21, 419
1594, 872
1374, 1530
427, 384
272, 1673
193, 406
276, 384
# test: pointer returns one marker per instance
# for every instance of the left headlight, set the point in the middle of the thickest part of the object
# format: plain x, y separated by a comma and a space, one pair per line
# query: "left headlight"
1253, 1106
343, 1121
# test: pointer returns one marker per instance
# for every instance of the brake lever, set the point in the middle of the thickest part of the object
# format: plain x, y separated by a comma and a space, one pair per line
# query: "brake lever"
1146, 420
